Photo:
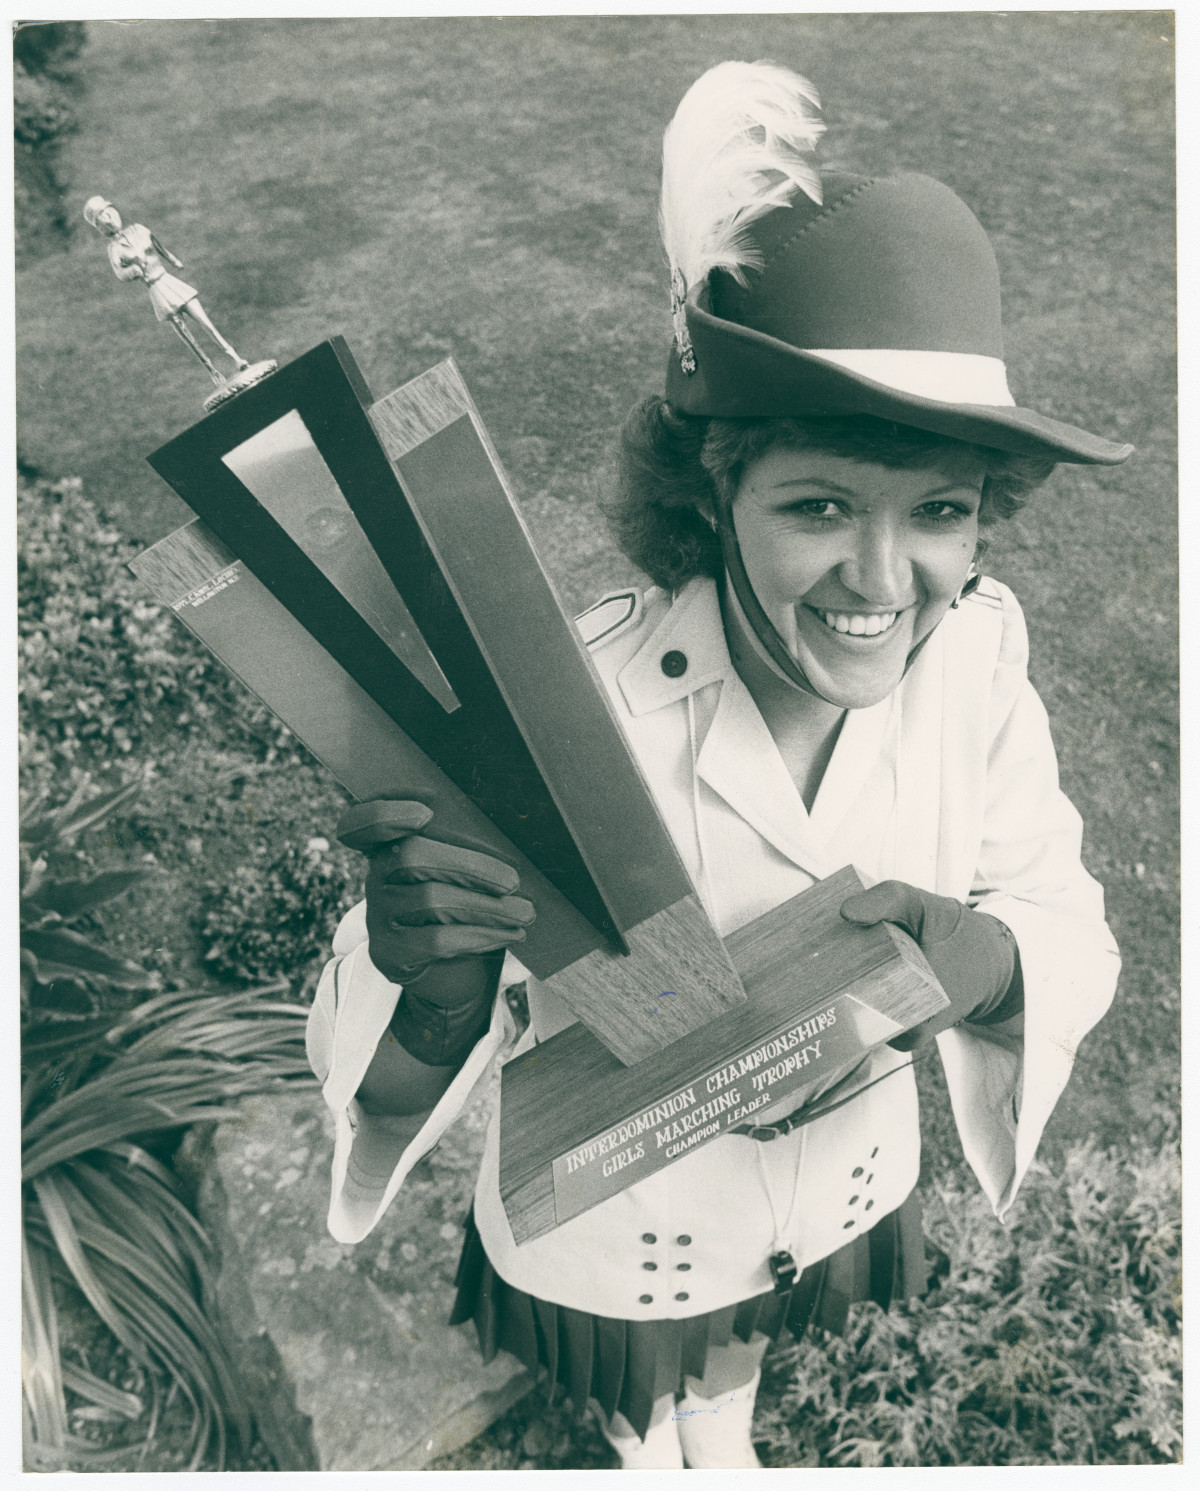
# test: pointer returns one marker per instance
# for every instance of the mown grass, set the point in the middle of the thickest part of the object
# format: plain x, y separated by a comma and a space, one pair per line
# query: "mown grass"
486, 188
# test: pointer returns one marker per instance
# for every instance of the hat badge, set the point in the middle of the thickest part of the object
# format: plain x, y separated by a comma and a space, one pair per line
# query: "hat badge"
683, 342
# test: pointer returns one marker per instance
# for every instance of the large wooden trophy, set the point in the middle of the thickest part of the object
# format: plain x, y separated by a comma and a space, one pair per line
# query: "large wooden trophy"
364, 569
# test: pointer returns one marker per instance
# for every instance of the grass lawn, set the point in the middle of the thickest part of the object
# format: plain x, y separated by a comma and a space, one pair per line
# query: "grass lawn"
486, 188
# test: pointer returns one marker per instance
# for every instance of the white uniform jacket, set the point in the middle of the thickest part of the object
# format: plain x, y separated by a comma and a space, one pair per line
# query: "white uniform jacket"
950, 784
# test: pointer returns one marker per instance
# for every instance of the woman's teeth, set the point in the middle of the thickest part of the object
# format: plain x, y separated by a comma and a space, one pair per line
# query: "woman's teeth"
859, 626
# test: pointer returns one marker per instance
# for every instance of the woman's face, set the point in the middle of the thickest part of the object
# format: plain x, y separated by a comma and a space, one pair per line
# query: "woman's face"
854, 562
109, 220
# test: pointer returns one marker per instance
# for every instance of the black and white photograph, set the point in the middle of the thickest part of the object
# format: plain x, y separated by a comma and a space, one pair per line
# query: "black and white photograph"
598, 743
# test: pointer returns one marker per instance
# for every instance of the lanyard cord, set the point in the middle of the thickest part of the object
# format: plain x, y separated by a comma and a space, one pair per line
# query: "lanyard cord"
708, 890
783, 1266
793, 1122
804, 1116
780, 1243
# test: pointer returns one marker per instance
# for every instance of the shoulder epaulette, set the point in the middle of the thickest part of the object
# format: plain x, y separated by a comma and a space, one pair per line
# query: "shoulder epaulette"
986, 594
609, 617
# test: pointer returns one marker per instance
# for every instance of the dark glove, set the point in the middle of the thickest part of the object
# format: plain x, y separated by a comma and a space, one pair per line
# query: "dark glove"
439, 917
973, 954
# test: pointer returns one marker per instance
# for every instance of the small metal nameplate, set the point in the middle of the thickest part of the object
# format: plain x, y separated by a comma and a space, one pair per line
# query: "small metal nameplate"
727, 1094
222, 581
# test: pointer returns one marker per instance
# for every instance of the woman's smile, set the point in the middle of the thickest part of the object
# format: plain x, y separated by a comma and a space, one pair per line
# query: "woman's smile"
858, 651
851, 631
872, 625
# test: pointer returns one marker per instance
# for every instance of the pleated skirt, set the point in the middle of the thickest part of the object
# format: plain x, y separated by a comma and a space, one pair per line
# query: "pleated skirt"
169, 295
627, 1365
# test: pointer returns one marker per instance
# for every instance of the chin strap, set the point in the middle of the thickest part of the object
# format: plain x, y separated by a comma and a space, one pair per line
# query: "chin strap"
772, 643
761, 625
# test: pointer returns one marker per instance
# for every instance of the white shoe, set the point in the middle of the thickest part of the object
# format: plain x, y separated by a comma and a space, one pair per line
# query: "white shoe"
658, 1451
715, 1432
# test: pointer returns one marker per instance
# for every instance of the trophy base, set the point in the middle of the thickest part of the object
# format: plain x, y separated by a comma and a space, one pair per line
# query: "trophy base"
578, 1127
239, 383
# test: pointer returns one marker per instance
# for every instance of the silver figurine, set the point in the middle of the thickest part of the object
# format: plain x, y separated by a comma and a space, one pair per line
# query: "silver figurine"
136, 254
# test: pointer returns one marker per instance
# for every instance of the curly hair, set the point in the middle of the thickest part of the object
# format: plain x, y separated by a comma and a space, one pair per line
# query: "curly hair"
672, 466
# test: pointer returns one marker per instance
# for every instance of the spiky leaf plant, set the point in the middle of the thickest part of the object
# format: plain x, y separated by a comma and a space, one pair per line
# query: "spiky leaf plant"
100, 1210
53, 950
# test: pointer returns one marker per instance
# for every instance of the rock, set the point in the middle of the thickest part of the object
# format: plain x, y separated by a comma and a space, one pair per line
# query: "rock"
348, 1359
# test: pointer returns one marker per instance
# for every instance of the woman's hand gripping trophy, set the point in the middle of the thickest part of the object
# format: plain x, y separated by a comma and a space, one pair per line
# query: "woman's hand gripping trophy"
974, 955
440, 916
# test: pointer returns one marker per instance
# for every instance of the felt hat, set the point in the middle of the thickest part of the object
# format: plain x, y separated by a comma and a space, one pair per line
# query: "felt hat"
803, 293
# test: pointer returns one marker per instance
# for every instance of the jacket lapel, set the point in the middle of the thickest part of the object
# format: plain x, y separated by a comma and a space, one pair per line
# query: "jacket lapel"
862, 737
740, 761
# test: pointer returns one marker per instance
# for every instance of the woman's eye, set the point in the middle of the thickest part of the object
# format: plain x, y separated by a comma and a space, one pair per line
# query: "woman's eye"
821, 508
942, 512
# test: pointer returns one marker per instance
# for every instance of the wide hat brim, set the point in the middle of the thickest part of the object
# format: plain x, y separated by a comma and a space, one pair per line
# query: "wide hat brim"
743, 373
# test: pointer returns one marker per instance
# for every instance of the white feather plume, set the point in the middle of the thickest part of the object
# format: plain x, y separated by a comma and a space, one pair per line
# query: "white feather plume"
740, 144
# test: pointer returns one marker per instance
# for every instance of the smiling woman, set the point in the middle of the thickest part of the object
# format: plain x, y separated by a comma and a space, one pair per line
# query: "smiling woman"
869, 525
818, 678
852, 565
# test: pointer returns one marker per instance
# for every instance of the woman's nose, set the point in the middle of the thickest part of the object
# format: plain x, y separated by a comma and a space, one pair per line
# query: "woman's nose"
878, 569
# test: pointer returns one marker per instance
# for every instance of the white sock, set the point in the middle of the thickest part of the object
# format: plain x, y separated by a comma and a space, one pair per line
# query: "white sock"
659, 1450
714, 1433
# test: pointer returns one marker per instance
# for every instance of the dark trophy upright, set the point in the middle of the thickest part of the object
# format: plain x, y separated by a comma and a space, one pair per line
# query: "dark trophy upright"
355, 564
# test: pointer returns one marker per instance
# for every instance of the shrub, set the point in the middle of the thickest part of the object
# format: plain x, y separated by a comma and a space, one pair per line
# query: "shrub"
103, 671
49, 46
275, 922
44, 80
1053, 1341
44, 59
41, 114
55, 951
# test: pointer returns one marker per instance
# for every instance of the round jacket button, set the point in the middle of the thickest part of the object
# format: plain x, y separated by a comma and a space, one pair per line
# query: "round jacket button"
645, 1299
649, 1237
650, 1266
681, 1296
855, 1173
868, 1206
683, 1267
674, 664
852, 1201
847, 1224
683, 1240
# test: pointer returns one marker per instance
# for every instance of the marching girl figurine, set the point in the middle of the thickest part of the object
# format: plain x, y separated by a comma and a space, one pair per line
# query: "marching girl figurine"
136, 254
818, 676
